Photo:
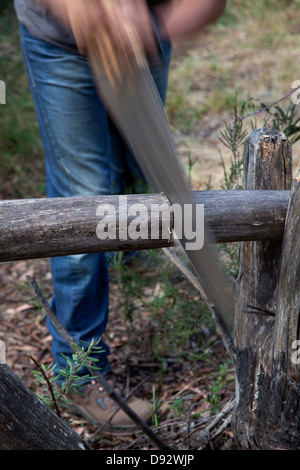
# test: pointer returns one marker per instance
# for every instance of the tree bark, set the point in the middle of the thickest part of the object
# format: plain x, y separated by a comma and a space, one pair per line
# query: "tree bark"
37, 228
26, 423
267, 412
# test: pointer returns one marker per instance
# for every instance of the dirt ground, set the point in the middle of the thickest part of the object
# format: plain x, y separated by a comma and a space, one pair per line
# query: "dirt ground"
185, 383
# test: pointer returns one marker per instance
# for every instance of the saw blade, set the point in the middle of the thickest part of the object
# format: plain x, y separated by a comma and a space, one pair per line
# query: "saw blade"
137, 110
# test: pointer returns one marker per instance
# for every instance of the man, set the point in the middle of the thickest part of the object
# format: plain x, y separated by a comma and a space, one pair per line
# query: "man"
85, 154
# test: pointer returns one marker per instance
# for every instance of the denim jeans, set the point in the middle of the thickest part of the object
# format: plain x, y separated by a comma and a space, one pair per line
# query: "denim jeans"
84, 156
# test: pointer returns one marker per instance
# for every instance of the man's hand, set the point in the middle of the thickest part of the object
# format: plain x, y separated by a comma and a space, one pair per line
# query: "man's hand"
121, 17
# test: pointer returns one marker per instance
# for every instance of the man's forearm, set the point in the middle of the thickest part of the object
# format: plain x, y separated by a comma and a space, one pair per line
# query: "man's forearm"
183, 17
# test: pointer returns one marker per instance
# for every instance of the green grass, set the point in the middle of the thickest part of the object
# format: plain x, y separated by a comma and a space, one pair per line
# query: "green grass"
177, 312
21, 153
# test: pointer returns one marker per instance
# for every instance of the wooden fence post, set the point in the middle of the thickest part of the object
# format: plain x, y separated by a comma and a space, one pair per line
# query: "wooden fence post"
264, 308
267, 315
286, 350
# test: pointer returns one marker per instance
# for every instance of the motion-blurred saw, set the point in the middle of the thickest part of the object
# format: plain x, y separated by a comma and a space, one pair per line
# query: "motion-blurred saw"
126, 86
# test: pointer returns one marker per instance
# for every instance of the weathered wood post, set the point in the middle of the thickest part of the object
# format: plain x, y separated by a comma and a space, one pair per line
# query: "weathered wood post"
42, 228
286, 349
267, 311
26, 423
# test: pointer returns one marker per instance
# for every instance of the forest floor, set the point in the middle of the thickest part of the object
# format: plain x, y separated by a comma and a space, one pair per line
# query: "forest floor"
162, 339
186, 383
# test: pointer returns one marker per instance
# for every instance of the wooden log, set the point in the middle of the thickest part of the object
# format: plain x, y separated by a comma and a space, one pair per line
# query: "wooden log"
243, 215
267, 402
37, 228
275, 393
286, 348
26, 423
287, 322
267, 166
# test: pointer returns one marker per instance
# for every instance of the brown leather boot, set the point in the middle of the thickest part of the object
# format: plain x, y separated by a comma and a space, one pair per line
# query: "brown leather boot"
98, 408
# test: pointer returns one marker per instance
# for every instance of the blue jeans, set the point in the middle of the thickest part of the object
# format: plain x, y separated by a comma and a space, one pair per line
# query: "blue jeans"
84, 156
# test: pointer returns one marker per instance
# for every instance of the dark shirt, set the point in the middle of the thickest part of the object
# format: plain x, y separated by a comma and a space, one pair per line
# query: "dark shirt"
45, 27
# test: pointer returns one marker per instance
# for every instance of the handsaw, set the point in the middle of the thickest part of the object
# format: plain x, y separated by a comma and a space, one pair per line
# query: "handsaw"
129, 93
